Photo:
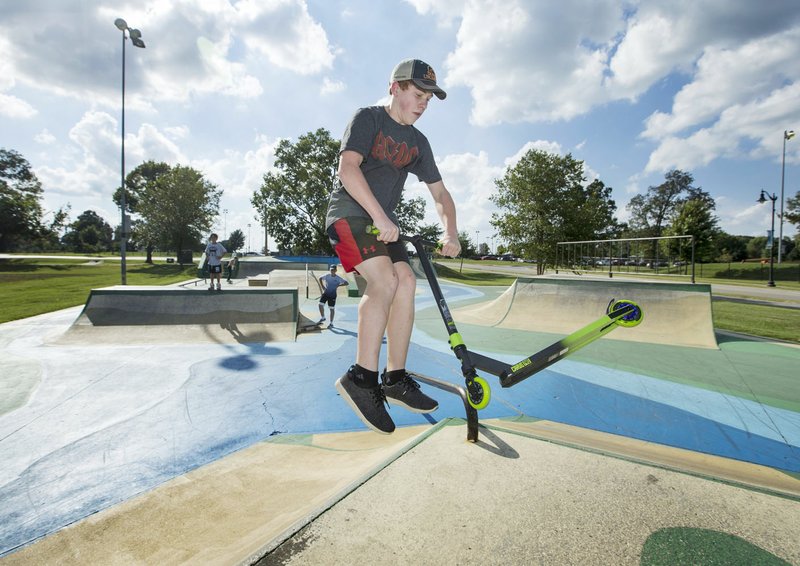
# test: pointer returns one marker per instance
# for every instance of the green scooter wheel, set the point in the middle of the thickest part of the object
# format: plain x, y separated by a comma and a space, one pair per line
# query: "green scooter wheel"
479, 394
633, 318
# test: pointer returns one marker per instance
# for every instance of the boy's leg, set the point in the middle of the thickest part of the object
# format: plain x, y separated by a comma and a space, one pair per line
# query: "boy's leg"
360, 386
399, 387
374, 309
401, 317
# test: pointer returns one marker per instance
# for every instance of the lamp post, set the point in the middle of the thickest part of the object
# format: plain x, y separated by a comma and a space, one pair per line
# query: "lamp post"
248, 237
225, 226
477, 244
136, 39
787, 135
761, 200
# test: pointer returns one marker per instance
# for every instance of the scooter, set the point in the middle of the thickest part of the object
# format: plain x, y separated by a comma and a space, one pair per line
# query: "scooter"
624, 313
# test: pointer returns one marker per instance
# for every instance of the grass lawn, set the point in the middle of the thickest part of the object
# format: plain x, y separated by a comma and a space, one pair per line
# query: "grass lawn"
758, 320
37, 286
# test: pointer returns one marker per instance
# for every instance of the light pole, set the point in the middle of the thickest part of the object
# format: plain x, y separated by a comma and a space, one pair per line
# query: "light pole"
762, 200
477, 244
248, 237
225, 226
787, 135
136, 39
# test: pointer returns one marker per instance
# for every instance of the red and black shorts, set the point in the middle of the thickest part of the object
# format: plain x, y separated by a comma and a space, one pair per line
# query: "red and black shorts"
353, 244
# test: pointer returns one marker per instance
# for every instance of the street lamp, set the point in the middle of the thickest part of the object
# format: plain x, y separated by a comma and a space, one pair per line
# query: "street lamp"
477, 244
761, 200
787, 135
136, 39
248, 237
225, 226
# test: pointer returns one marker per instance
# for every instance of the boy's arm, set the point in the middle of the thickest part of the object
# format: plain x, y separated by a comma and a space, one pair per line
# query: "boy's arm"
447, 212
357, 187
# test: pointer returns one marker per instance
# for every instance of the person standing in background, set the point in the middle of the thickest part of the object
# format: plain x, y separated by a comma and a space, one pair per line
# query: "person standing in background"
214, 254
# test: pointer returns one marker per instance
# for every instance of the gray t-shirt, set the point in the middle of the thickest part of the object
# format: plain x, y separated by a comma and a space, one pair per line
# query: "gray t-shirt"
391, 151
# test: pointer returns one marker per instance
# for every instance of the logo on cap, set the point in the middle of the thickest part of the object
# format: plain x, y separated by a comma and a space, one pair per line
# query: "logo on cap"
420, 73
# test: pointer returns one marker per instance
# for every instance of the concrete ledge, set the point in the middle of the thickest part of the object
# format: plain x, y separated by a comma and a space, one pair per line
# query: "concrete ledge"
143, 314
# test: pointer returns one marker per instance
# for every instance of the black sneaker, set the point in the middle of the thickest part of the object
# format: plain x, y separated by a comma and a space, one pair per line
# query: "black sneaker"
367, 402
406, 393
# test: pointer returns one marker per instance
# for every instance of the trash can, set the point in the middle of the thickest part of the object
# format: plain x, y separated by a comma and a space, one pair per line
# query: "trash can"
185, 257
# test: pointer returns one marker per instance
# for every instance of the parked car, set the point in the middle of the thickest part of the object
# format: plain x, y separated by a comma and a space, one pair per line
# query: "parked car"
489, 256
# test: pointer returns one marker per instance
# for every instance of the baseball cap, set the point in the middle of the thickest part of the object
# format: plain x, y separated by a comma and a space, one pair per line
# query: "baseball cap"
420, 73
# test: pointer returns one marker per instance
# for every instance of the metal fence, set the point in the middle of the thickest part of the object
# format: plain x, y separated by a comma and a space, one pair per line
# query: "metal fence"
660, 256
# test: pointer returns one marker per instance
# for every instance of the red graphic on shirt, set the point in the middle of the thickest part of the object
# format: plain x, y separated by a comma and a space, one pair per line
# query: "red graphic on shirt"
398, 154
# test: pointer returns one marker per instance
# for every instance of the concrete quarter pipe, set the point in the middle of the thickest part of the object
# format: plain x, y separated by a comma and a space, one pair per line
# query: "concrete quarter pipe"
674, 313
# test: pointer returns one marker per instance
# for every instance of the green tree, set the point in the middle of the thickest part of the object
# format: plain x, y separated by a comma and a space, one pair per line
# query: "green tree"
136, 185
791, 212
89, 233
292, 202
176, 207
734, 247
433, 232
651, 212
20, 196
543, 200
695, 217
409, 214
235, 241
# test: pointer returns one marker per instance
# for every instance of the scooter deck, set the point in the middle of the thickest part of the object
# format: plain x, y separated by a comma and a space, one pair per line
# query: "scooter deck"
565, 346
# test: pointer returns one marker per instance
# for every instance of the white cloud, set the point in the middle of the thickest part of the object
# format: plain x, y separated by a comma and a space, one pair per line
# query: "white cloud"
191, 48
331, 87
760, 120
536, 61
45, 137
240, 174
445, 12
540, 145
738, 94
533, 61
470, 180
285, 33
14, 107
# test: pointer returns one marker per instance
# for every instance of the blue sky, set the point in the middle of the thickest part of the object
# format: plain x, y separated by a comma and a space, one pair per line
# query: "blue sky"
633, 88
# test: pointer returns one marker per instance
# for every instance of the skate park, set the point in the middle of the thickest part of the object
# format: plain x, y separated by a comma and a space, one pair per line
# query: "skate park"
143, 443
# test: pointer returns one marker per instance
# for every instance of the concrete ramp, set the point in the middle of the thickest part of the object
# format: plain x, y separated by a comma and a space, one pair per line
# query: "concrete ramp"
674, 313
151, 314
254, 266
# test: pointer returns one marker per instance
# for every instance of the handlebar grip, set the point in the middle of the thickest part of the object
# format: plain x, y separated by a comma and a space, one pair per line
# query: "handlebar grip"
371, 229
